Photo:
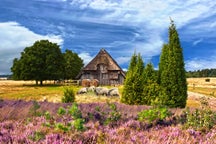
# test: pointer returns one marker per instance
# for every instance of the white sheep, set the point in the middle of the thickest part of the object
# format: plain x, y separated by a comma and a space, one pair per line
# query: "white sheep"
101, 91
113, 92
82, 90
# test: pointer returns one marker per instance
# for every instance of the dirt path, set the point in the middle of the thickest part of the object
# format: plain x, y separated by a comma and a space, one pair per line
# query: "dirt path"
196, 97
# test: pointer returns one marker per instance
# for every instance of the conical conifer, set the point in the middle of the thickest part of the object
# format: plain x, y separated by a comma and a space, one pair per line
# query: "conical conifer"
133, 84
172, 72
128, 93
151, 88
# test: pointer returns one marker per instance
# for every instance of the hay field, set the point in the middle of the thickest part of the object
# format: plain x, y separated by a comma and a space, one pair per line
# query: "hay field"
202, 82
202, 86
27, 90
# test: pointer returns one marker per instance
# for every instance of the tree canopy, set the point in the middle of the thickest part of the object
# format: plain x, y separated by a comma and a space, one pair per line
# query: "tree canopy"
73, 64
42, 61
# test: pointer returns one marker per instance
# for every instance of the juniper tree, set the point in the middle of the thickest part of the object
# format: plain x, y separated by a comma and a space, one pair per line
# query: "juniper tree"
172, 73
133, 84
139, 81
151, 88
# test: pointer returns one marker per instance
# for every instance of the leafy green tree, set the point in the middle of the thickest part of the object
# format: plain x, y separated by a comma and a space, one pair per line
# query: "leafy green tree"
151, 88
133, 85
73, 64
41, 61
172, 72
16, 68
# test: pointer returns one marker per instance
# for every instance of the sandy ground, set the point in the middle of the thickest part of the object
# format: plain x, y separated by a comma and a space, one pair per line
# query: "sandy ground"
197, 97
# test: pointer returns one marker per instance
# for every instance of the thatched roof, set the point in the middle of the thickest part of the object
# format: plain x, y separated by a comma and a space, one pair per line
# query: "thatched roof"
103, 57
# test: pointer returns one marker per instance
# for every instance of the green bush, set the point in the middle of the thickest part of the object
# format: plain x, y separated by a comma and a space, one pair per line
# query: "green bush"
201, 119
79, 124
61, 111
154, 114
114, 115
69, 95
74, 111
37, 135
61, 126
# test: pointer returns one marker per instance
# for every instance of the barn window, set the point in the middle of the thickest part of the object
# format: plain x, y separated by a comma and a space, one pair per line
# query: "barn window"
105, 76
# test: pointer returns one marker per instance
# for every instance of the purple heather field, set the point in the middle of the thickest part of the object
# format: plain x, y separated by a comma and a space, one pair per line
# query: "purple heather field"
43, 122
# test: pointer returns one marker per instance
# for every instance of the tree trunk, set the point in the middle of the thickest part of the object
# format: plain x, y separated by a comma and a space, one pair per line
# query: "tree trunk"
41, 82
36, 82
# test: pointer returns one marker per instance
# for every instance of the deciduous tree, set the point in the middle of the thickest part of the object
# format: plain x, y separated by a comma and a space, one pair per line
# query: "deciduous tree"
41, 61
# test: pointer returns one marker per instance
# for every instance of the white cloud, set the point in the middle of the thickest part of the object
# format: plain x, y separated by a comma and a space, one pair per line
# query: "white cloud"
14, 38
152, 17
200, 63
122, 60
197, 41
86, 57
155, 13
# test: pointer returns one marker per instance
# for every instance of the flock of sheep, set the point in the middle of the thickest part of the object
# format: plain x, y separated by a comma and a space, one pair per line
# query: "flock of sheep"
99, 91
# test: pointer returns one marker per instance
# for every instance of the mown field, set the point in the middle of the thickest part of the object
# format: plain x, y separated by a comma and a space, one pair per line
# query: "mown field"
35, 114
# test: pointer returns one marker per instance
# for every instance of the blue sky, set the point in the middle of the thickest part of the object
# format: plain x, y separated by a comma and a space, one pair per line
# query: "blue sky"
121, 27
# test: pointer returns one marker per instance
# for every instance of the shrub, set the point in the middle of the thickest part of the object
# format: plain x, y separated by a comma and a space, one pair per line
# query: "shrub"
106, 116
61, 126
37, 135
79, 124
154, 114
201, 119
61, 111
69, 95
33, 111
114, 115
74, 111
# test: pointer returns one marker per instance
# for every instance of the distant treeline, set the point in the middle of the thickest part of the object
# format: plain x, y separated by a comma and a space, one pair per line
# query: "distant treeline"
202, 73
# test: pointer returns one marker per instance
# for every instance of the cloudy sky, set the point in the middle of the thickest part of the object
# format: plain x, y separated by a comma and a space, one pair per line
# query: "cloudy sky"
119, 26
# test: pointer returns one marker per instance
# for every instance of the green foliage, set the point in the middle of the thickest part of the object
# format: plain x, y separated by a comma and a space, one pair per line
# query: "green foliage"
63, 121
172, 78
114, 115
201, 119
37, 135
34, 110
61, 126
133, 84
154, 114
75, 112
202, 73
109, 116
69, 95
47, 115
61, 111
151, 88
41, 61
73, 64
79, 124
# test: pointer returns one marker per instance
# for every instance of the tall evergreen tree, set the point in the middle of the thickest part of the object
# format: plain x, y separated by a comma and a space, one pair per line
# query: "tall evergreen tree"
172, 72
139, 81
151, 88
163, 65
127, 93
133, 84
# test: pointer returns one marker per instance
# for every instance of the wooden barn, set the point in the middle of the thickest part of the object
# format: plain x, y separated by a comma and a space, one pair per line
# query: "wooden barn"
103, 68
